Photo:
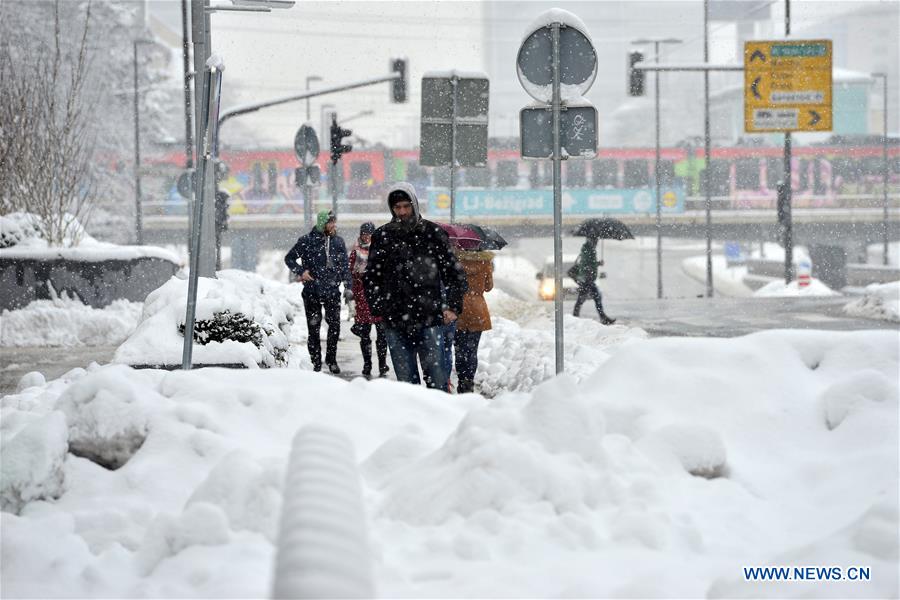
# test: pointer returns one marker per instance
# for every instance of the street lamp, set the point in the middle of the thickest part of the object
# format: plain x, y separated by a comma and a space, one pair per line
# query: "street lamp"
308, 80
138, 217
884, 154
656, 42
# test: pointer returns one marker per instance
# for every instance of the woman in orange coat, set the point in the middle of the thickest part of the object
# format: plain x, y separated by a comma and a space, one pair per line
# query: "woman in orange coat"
475, 316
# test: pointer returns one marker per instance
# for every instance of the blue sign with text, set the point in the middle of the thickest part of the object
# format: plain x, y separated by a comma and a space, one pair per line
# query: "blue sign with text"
510, 202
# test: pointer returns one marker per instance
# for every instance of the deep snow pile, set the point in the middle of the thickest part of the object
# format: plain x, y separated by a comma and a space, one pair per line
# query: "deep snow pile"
66, 321
674, 464
519, 352
882, 301
241, 318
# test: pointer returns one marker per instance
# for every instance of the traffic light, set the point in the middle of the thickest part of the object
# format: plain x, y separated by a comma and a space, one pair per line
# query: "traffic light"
636, 77
338, 147
399, 85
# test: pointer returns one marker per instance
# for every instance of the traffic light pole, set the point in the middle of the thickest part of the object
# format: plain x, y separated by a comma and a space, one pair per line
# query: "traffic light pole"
249, 108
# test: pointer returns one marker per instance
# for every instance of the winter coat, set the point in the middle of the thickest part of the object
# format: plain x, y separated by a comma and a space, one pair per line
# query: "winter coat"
479, 274
309, 254
363, 312
586, 263
409, 264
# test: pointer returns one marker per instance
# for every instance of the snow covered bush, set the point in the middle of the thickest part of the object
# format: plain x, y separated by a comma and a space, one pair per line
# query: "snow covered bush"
882, 301
16, 227
241, 318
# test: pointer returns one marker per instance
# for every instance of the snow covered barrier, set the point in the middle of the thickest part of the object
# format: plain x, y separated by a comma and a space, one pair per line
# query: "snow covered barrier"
242, 319
322, 550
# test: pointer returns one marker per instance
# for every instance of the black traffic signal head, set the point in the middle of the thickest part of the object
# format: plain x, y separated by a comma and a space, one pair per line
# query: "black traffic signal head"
400, 85
636, 77
338, 147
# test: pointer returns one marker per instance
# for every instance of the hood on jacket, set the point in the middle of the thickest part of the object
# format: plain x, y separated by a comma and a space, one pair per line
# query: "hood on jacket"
410, 191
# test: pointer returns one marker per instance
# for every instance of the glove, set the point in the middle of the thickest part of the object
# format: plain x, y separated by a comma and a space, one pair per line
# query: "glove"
348, 296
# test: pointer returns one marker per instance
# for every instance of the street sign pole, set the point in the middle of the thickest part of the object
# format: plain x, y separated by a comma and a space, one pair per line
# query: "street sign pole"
707, 144
557, 207
788, 177
454, 82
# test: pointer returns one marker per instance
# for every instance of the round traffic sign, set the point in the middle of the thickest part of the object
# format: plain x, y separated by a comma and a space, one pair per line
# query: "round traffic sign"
577, 58
306, 145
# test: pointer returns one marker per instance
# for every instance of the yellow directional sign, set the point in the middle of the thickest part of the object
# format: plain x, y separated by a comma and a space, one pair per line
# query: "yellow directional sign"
787, 85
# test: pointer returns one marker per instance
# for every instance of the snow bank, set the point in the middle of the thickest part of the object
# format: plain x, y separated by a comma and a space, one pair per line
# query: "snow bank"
262, 309
20, 238
663, 472
66, 321
778, 289
882, 301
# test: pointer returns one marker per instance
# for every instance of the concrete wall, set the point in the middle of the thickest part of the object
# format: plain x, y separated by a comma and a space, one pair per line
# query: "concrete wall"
97, 283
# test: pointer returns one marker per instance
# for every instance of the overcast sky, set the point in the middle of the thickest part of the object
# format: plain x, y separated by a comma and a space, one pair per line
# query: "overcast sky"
271, 54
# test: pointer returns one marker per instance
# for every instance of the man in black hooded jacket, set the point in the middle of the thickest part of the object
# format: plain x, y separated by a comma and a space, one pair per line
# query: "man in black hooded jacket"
415, 283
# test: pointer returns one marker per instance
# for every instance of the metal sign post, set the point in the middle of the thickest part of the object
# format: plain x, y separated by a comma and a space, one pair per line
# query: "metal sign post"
454, 123
212, 89
559, 53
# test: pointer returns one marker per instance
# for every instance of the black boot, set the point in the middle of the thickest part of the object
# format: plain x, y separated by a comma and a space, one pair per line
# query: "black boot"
365, 346
606, 320
465, 386
383, 370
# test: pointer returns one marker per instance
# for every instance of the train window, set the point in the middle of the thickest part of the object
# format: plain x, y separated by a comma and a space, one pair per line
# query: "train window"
848, 169
803, 174
666, 172
746, 173
637, 173
576, 173
718, 178
606, 173
774, 172
360, 171
477, 177
507, 173
257, 184
534, 176
821, 176
417, 175
441, 177
273, 178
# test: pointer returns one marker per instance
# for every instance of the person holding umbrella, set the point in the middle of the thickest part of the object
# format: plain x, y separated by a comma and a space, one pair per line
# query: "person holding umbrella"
584, 272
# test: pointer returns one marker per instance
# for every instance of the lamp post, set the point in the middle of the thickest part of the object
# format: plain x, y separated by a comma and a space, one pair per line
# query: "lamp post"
138, 217
308, 80
656, 42
884, 154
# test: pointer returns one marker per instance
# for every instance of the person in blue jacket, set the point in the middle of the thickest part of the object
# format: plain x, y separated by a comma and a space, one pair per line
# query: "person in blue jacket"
319, 259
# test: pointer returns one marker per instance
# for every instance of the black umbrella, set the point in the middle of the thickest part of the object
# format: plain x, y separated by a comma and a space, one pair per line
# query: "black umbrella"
606, 228
490, 239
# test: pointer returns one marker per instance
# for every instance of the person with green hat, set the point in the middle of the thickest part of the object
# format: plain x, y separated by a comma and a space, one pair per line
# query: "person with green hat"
319, 259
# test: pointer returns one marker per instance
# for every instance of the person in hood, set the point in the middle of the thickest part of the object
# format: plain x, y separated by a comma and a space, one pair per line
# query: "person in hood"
319, 259
409, 261
364, 319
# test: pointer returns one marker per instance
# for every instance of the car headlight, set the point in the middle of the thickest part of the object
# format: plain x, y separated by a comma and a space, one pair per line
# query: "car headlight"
547, 289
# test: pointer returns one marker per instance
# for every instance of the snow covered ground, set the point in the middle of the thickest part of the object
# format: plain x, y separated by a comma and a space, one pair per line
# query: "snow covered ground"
667, 469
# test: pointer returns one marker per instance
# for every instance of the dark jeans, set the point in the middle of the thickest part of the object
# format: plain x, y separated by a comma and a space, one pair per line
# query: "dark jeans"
313, 305
466, 344
364, 331
424, 344
585, 291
